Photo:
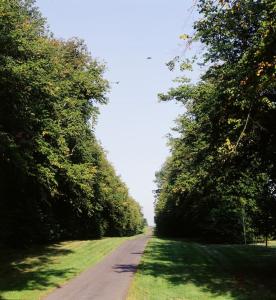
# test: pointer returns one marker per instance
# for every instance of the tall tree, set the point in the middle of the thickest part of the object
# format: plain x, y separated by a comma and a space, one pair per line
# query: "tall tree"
50, 161
222, 167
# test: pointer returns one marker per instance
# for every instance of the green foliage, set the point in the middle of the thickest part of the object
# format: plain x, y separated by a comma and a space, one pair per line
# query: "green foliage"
55, 180
219, 182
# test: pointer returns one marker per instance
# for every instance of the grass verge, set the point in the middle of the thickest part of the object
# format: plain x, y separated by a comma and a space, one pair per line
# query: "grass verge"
179, 270
32, 273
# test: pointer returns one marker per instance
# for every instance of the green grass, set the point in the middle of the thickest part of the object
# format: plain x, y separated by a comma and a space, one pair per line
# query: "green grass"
32, 273
175, 269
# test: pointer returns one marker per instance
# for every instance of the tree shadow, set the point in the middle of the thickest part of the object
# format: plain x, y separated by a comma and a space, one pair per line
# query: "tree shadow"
125, 268
244, 272
30, 269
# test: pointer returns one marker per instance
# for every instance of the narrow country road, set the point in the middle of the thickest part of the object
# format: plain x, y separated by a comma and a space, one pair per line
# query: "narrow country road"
107, 280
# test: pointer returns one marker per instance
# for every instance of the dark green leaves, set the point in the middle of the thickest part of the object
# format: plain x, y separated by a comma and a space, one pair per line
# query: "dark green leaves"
55, 180
218, 178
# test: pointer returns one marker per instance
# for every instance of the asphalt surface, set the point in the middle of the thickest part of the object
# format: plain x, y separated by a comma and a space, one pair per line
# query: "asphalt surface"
107, 280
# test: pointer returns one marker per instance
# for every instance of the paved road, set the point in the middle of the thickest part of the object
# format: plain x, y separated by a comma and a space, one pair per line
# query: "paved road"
107, 280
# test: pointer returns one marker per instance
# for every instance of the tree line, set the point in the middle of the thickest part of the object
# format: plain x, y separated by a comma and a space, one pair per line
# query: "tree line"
55, 180
219, 183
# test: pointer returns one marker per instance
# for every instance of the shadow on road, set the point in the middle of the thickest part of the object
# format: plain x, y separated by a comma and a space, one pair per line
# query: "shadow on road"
131, 268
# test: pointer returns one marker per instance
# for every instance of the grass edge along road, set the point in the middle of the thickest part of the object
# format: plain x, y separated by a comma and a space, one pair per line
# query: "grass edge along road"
176, 269
34, 272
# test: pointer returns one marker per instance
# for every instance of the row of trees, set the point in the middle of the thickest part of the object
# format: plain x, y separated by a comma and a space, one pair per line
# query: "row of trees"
55, 180
219, 184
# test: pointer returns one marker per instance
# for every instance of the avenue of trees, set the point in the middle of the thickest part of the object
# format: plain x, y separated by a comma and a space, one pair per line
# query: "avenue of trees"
55, 180
219, 183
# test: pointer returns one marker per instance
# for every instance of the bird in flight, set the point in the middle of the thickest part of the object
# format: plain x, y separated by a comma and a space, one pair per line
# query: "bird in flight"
149, 57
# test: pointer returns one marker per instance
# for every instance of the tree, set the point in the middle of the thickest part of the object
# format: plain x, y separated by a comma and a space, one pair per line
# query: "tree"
222, 162
51, 164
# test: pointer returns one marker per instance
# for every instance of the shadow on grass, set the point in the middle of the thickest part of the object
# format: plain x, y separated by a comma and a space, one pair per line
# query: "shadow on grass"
244, 272
31, 269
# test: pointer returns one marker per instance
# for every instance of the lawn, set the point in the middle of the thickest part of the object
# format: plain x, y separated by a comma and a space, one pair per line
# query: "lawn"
180, 270
34, 272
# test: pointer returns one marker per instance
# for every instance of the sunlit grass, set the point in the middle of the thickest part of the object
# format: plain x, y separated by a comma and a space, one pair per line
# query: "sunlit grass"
175, 269
32, 273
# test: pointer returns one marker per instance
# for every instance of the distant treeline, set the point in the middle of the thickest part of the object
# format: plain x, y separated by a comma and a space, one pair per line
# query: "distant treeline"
55, 180
219, 184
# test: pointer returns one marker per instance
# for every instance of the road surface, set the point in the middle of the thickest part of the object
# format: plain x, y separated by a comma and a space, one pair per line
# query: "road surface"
107, 280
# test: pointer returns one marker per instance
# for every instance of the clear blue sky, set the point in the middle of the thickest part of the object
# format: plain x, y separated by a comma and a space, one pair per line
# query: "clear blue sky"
123, 33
